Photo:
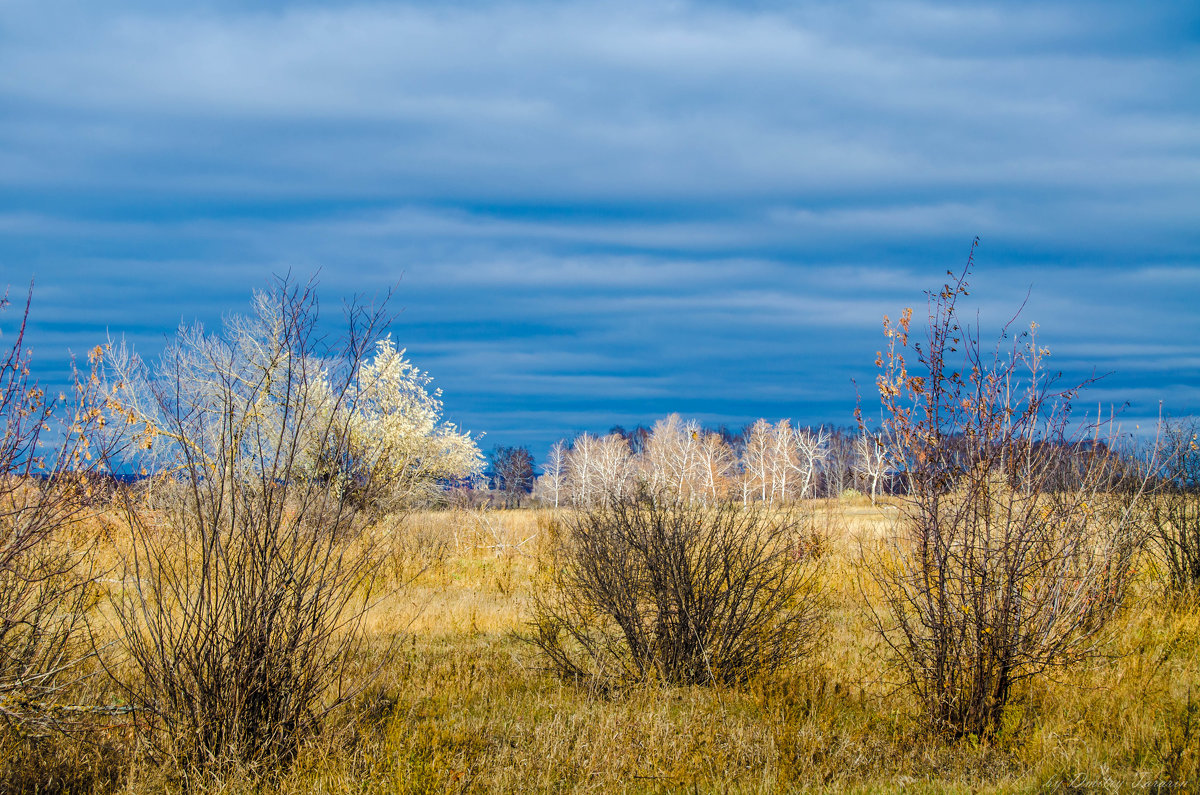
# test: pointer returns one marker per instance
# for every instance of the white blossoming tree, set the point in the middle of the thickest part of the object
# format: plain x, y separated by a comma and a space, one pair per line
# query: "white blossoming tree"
368, 427
397, 436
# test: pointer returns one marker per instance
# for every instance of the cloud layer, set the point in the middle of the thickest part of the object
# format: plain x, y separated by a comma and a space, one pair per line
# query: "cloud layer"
602, 212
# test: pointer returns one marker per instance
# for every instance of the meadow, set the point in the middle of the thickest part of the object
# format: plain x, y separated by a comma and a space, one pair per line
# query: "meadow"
1010, 606
451, 697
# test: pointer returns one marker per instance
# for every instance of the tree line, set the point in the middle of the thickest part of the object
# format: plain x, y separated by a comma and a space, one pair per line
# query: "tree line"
765, 462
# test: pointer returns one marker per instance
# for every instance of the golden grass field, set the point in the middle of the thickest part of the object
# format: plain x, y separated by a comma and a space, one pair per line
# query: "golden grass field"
464, 705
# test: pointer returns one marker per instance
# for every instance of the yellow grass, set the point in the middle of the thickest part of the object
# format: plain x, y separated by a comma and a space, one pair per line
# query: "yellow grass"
464, 705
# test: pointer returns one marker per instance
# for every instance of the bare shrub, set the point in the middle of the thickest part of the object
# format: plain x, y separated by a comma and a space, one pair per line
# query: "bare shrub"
655, 587
248, 581
48, 449
1175, 507
1002, 565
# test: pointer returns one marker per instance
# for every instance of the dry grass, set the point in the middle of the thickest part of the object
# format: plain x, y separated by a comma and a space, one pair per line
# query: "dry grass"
466, 706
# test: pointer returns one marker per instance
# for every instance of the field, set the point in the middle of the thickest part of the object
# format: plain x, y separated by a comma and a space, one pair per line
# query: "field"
457, 701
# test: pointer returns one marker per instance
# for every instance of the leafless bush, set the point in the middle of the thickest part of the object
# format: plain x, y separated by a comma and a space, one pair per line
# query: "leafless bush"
658, 587
48, 449
1000, 568
1175, 507
248, 580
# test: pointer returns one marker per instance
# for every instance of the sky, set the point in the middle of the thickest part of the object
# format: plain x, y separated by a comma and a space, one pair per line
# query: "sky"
599, 213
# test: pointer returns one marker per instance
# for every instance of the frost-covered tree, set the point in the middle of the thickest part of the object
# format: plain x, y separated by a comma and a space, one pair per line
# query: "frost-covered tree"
781, 460
232, 404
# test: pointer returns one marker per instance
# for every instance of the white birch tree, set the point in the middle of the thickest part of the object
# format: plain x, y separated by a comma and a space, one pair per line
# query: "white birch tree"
811, 451
551, 485
871, 460
717, 464
580, 466
612, 468
672, 455
756, 462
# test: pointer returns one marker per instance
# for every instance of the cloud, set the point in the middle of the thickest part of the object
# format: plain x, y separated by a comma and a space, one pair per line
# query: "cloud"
592, 100
603, 212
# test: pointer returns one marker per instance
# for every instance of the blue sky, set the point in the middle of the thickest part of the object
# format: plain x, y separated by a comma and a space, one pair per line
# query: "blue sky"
599, 213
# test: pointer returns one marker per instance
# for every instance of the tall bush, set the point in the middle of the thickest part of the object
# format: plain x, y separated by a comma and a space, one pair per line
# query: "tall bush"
1018, 536
51, 450
247, 585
